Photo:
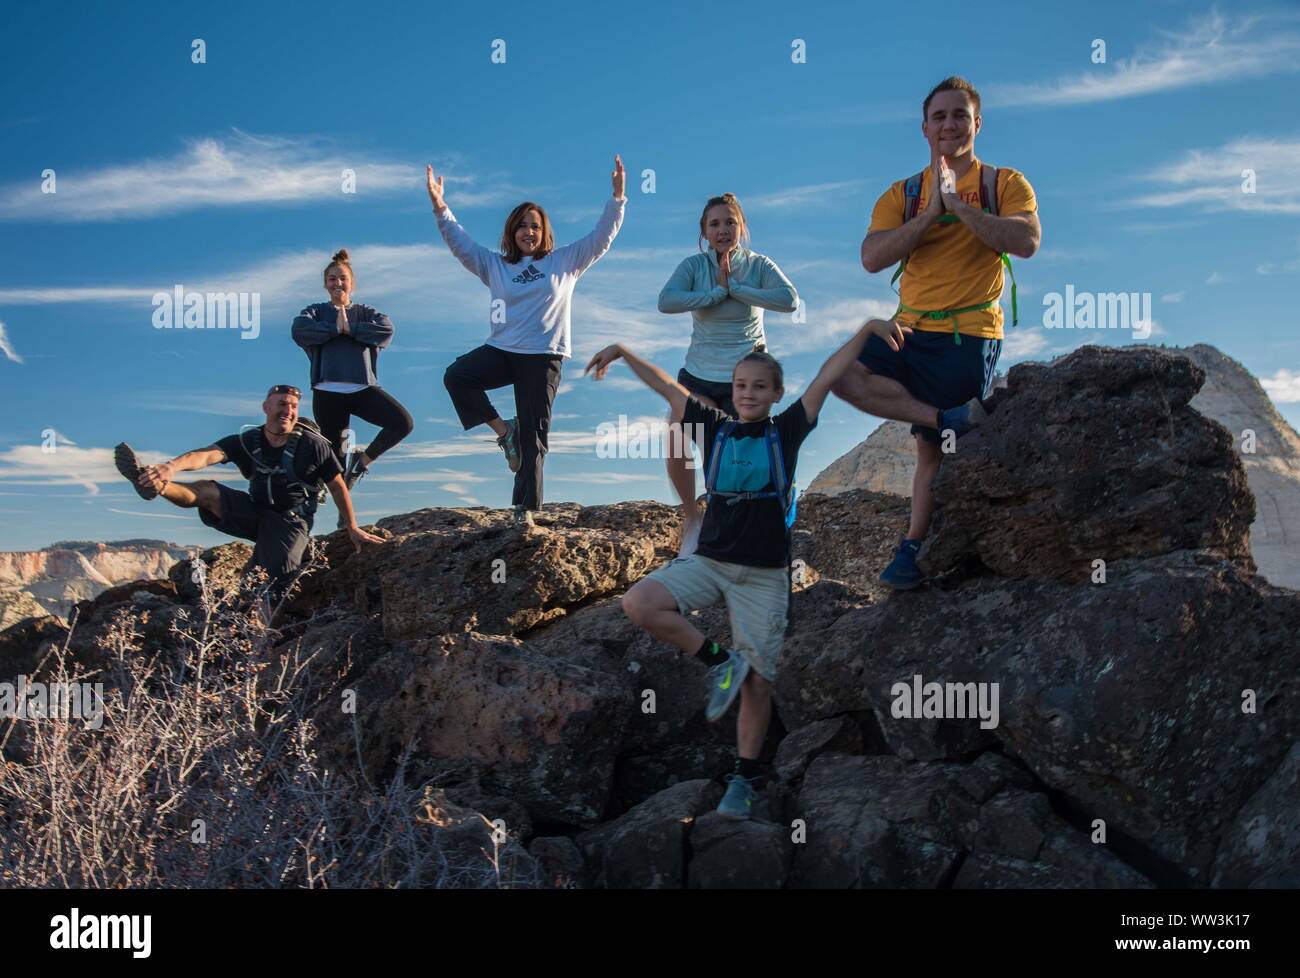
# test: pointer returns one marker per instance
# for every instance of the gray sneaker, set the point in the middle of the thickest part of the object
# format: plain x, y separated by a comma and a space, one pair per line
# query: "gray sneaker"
521, 516
509, 443
725, 680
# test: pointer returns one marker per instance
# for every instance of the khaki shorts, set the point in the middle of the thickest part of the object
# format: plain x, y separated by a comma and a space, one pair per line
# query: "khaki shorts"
757, 601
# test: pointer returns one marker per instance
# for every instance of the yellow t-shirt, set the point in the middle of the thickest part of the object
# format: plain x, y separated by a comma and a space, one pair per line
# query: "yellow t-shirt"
951, 268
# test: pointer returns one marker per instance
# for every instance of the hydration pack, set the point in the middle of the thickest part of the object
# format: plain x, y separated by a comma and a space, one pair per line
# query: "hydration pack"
315, 492
989, 204
783, 489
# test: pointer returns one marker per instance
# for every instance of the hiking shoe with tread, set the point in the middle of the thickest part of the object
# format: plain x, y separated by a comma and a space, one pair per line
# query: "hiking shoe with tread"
126, 462
509, 443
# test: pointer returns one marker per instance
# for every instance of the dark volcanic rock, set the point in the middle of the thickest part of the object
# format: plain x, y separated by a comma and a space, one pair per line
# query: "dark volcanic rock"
1095, 456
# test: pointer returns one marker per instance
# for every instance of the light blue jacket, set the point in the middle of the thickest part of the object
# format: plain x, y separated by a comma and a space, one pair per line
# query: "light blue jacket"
727, 323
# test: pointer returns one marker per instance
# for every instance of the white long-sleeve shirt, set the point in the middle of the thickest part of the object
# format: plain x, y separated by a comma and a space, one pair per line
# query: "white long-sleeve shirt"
537, 293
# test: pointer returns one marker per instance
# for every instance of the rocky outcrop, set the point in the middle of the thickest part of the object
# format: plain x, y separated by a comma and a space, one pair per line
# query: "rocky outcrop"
1125, 723
1269, 449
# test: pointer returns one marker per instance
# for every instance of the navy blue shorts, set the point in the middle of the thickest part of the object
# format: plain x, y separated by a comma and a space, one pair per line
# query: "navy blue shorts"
935, 369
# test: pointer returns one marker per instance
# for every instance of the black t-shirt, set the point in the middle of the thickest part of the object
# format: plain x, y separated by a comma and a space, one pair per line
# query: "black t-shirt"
313, 461
752, 531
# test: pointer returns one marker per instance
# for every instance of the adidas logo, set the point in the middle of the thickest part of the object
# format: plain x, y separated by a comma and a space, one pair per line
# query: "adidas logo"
529, 274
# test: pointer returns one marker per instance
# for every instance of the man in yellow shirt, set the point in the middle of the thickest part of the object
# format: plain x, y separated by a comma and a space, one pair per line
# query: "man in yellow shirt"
952, 245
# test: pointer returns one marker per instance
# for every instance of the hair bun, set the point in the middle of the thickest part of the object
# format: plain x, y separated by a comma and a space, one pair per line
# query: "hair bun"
340, 255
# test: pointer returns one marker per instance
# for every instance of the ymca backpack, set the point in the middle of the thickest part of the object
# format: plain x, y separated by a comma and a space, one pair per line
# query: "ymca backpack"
315, 493
989, 204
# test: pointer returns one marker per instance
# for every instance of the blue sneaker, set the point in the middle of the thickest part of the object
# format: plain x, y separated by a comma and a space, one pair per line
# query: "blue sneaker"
964, 417
738, 802
725, 680
902, 573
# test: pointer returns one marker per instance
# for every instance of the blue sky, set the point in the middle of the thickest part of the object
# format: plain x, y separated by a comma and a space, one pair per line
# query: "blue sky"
225, 176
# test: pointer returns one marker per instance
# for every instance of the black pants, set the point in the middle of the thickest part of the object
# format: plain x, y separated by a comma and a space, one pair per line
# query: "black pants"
535, 377
280, 539
333, 411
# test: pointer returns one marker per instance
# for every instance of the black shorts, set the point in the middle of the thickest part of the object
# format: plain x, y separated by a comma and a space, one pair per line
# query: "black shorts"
718, 393
281, 538
936, 369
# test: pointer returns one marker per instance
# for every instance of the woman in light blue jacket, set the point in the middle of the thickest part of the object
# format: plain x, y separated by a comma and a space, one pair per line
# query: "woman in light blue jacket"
725, 289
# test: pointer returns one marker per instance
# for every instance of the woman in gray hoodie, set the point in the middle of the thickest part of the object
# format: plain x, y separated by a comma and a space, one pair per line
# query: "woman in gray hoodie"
342, 340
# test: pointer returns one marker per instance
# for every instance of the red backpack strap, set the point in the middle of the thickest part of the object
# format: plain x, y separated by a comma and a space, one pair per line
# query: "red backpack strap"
912, 196
989, 188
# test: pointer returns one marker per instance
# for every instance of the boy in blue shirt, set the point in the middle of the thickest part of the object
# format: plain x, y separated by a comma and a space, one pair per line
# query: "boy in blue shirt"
743, 555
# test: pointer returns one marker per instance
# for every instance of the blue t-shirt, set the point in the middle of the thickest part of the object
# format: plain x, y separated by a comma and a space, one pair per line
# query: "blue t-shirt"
753, 531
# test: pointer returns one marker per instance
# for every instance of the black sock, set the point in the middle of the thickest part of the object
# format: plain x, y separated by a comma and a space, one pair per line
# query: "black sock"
711, 653
747, 768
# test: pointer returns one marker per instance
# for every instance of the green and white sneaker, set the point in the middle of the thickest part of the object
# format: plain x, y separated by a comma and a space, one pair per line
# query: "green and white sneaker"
738, 803
725, 680
509, 443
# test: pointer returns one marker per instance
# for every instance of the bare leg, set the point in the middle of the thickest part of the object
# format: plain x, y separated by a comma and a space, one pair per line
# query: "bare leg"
882, 396
187, 495
683, 481
755, 714
928, 457
652, 606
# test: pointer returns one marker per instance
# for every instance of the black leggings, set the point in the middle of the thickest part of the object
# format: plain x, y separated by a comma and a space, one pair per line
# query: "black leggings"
535, 377
333, 411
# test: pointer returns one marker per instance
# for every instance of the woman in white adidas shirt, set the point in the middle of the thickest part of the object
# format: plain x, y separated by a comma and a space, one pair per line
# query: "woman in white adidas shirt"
531, 282
725, 288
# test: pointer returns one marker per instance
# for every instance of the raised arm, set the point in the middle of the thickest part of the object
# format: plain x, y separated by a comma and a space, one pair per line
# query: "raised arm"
774, 291
655, 379
308, 331
839, 361
678, 296
377, 331
468, 252
582, 254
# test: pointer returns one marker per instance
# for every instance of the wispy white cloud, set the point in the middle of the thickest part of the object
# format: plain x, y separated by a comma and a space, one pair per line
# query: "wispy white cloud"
69, 465
397, 277
150, 516
238, 170
1022, 343
807, 195
828, 325
6, 347
1247, 174
1283, 387
1209, 49
606, 478
225, 404
1173, 297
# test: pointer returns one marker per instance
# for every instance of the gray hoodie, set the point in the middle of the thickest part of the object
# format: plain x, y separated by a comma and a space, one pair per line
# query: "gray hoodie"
353, 358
